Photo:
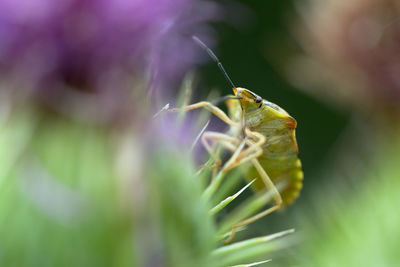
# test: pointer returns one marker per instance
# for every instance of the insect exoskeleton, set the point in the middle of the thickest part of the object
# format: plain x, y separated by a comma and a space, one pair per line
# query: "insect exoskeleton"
280, 151
261, 134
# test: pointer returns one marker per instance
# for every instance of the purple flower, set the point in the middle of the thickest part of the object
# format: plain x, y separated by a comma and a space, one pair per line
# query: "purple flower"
103, 49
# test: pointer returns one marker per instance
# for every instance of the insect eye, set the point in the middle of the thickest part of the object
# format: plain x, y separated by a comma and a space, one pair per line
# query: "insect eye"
258, 99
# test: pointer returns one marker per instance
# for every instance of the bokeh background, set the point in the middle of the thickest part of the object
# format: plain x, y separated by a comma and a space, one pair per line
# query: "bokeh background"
89, 178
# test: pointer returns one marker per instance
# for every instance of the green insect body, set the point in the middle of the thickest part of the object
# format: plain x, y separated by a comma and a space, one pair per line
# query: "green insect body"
262, 134
280, 151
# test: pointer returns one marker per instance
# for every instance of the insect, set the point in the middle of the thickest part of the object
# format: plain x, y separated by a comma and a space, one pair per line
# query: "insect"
267, 135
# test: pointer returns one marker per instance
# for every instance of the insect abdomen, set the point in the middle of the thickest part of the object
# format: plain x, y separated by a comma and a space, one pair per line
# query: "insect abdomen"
286, 174
280, 161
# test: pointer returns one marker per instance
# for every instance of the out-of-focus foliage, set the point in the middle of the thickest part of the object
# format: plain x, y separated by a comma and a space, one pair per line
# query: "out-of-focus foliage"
62, 203
173, 226
58, 198
355, 223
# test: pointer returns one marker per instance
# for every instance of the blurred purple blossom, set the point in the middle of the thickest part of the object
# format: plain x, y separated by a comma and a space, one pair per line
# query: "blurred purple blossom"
97, 47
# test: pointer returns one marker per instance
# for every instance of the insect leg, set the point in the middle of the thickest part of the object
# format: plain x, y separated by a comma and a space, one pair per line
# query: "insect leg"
246, 156
227, 141
259, 140
231, 143
270, 187
210, 107
210, 139
224, 140
254, 149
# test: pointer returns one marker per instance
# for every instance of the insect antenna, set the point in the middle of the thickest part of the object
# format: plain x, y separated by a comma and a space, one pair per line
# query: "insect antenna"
214, 57
224, 98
